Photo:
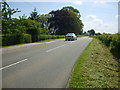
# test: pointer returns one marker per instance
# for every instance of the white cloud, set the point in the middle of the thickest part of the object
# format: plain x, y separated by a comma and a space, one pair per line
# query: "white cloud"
116, 16
94, 18
101, 2
77, 2
107, 27
91, 16
98, 20
93, 22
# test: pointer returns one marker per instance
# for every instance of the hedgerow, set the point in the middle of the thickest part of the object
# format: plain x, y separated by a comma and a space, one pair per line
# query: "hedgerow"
113, 42
45, 37
12, 39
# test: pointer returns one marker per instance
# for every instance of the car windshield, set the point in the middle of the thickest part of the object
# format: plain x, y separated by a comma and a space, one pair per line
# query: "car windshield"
70, 34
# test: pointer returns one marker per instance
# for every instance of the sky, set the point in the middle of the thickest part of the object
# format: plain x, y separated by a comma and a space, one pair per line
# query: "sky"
102, 16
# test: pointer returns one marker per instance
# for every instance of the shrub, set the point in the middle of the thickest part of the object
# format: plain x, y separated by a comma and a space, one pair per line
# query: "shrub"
113, 42
12, 39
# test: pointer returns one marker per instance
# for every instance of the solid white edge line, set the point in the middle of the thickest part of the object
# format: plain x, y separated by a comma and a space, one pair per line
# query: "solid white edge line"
13, 64
55, 48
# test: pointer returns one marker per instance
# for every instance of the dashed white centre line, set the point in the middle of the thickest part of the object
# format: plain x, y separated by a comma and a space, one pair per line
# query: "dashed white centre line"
55, 48
13, 64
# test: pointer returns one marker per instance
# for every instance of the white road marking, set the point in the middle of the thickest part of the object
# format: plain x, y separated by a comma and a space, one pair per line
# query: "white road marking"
72, 41
51, 42
13, 64
55, 48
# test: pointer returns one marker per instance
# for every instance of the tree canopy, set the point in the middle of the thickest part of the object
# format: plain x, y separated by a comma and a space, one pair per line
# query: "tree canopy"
70, 8
34, 15
65, 21
43, 18
91, 32
7, 12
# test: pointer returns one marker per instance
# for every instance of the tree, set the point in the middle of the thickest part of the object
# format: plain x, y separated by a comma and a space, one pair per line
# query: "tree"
64, 21
43, 20
97, 33
34, 15
7, 12
20, 26
72, 9
32, 27
13, 26
91, 32
23, 16
84, 33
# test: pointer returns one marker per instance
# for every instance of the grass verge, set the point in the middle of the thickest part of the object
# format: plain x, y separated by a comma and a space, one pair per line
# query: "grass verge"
96, 68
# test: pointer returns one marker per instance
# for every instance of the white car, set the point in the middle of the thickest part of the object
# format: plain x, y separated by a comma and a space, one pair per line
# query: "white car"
70, 36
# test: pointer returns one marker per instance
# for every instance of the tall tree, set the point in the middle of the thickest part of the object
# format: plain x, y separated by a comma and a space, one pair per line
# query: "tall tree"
7, 21
72, 9
64, 21
7, 12
43, 20
34, 15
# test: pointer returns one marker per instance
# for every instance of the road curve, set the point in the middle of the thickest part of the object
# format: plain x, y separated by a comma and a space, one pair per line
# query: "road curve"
46, 65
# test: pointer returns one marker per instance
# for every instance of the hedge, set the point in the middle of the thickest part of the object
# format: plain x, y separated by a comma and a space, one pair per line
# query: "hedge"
113, 42
45, 37
12, 39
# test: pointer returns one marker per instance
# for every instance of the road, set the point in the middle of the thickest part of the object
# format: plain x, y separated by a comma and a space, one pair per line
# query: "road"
45, 65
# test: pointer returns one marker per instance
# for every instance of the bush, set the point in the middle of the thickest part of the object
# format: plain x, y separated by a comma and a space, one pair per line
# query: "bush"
27, 38
45, 37
113, 42
12, 39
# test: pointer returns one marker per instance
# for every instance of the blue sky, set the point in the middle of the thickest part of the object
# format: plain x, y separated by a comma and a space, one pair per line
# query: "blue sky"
100, 16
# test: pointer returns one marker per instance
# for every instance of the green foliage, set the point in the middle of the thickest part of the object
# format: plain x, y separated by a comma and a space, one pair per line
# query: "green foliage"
35, 28
12, 39
91, 32
43, 20
13, 26
23, 16
64, 21
34, 15
45, 37
45, 31
7, 12
84, 33
70, 8
113, 42
27, 38
96, 68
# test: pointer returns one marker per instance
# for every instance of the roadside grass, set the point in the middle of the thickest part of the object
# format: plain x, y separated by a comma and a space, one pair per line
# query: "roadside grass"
31, 43
96, 68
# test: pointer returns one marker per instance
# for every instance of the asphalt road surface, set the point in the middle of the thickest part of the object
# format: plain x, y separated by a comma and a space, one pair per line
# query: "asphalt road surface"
45, 65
